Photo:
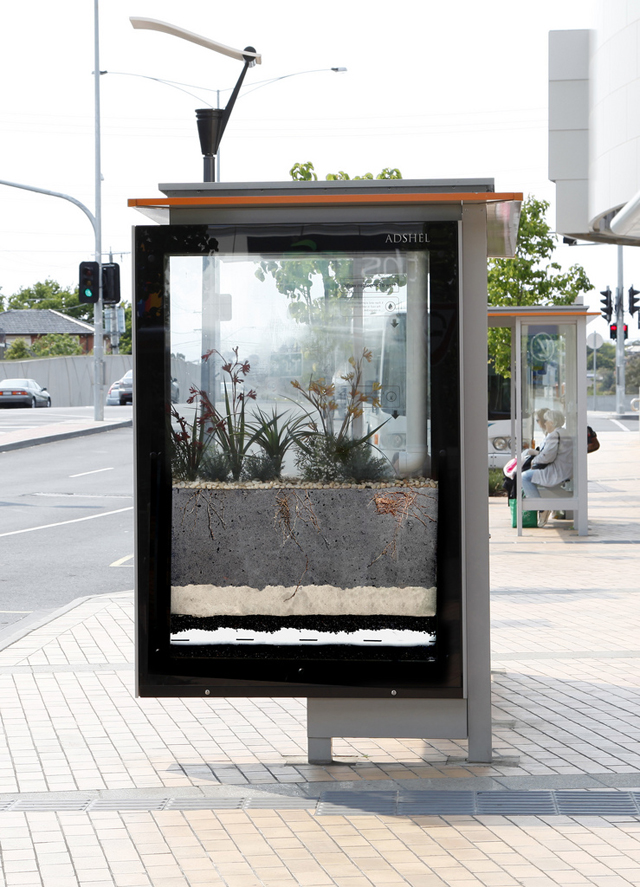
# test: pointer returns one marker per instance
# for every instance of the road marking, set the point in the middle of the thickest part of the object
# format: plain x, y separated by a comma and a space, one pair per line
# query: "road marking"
624, 427
62, 523
123, 562
96, 471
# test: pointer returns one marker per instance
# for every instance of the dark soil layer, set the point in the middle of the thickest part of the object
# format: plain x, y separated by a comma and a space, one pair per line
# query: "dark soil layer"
311, 623
304, 651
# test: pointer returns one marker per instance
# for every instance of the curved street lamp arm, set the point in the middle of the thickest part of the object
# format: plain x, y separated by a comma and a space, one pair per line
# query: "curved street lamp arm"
84, 209
173, 84
152, 24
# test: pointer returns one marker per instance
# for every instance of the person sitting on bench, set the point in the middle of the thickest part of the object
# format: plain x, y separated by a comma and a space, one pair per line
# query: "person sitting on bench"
554, 463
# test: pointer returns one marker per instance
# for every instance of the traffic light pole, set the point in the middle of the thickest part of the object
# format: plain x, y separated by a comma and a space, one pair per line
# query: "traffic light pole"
620, 375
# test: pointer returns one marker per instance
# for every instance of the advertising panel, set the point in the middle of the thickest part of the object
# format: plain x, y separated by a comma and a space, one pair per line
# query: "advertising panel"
298, 459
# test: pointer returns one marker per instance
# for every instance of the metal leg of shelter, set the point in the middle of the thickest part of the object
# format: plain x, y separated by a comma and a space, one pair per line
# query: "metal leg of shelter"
319, 749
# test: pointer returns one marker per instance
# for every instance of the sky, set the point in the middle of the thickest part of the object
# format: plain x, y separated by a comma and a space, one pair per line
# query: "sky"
455, 90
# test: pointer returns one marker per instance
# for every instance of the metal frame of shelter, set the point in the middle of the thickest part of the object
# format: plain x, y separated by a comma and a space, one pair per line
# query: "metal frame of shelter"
515, 319
483, 224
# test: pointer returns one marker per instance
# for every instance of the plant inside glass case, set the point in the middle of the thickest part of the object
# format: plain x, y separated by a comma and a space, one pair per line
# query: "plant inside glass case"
327, 454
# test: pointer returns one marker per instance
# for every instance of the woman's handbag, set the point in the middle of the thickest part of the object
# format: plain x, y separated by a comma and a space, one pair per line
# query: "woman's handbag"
593, 443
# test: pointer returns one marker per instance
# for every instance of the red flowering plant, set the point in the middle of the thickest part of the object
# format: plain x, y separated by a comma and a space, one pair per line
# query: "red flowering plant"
192, 445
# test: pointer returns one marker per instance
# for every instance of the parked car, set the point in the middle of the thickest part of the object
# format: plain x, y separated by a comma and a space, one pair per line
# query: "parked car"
126, 388
113, 394
23, 393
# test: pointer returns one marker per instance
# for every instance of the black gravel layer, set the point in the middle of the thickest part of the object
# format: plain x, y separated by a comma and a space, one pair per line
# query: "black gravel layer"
310, 623
308, 652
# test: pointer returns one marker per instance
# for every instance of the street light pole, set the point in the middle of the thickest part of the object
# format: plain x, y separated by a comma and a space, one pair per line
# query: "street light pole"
211, 121
98, 341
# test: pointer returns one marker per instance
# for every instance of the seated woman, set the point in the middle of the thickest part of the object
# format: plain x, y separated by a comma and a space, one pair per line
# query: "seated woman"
554, 463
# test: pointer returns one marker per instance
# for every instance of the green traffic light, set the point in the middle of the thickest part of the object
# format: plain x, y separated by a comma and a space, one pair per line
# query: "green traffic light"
88, 293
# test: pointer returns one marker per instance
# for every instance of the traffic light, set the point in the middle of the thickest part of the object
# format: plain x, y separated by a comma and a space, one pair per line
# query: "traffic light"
88, 290
613, 331
634, 301
111, 283
607, 305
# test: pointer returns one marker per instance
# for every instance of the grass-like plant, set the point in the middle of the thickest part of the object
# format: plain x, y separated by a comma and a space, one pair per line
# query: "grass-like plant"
326, 454
275, 435
187, 445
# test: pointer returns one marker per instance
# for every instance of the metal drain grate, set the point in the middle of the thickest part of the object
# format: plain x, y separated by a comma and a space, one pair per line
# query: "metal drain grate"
204, 804
281, 803
356, 803
515, 803
130, 804
597, 803
435, 803
341, 803
44, 804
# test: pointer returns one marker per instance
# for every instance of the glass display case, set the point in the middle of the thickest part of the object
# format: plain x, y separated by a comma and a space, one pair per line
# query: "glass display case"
298, 458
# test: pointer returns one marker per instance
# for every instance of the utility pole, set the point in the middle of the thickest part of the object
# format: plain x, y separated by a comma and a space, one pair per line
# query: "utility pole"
620, 380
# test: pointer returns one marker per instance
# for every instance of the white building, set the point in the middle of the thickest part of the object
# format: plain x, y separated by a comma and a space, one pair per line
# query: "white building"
594, 127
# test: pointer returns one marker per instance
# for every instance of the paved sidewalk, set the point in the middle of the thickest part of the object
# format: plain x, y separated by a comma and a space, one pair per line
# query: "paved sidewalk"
29, 428
99, 788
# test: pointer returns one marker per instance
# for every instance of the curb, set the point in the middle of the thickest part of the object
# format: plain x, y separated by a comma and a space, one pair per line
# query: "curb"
63, 435
39, 618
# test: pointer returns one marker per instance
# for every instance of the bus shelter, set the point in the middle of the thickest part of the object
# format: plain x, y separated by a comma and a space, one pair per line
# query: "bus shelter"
549, 384
310, 391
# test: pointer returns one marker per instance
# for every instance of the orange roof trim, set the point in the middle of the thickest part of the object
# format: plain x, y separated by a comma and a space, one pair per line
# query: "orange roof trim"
328, 199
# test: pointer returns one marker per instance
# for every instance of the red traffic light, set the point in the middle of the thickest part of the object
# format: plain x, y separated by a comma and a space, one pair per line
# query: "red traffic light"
613, 331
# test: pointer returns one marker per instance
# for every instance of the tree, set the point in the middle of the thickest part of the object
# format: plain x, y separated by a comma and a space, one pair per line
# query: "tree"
50, 294
530, 278
18, 350
632, 374
56, 345
124, 346
304, 172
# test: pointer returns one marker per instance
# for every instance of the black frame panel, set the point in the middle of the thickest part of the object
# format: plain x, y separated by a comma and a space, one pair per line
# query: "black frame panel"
160, 671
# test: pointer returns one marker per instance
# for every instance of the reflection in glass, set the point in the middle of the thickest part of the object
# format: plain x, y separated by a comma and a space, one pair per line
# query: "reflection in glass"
304, 509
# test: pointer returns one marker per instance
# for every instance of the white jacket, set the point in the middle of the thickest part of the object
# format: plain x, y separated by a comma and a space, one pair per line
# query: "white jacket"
554, 462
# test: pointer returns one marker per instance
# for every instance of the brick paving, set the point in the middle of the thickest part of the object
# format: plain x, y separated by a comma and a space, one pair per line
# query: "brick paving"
566, 656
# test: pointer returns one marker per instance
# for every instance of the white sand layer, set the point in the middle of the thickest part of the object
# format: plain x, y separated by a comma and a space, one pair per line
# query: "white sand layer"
306, 600
289, 637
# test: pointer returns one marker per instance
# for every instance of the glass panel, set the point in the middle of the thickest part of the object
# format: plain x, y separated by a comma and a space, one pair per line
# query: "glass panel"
549, 410
304, 508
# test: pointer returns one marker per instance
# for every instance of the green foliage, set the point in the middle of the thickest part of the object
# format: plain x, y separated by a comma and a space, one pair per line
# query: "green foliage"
56, 345
296, 280
325, 454
305, 172
124, 345
275, 439
260, 467
530, 278
496, 479
214, 465
325, 459
632, 374
18, 350
386, 173
50, 294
